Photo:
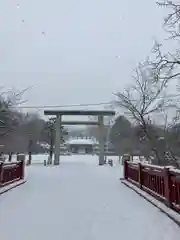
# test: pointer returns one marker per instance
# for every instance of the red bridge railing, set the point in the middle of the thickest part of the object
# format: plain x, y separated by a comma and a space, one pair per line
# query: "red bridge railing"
163, 183
11, 172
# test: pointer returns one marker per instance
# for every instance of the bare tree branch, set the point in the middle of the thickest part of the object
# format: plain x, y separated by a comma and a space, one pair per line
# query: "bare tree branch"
172, 20
168, 65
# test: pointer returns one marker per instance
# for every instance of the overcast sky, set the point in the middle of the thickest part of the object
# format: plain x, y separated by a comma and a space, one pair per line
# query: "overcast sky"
74, 51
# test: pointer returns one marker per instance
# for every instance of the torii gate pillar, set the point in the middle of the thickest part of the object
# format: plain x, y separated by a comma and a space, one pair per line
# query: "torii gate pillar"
57, 140
101, 139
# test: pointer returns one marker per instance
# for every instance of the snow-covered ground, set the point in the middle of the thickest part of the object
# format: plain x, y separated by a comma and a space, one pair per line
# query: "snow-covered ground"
39, 158
80, 200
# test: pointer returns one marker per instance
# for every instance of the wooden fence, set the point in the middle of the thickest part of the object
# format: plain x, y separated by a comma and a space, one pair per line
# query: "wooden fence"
163, 183
11, 172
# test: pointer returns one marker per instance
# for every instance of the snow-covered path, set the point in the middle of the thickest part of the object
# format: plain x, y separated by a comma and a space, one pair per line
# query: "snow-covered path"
80, 201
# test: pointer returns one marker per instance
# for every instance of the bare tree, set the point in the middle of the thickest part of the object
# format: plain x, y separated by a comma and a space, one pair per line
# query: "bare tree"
10, 118
171, 139
9, 100
144, 98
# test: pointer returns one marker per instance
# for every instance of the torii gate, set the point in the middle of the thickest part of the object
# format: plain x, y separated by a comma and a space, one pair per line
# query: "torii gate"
59, 122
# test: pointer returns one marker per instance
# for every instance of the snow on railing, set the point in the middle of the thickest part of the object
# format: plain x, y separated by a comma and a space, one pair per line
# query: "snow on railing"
11, 172
161, 182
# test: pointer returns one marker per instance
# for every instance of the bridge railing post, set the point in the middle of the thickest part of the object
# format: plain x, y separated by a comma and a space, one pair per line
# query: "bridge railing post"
1, 173
125, 160
22, 169
126, 169
140, 177
167, 186
21, 158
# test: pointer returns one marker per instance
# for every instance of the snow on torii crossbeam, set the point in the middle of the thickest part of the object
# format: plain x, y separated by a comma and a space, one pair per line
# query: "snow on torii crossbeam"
59, 122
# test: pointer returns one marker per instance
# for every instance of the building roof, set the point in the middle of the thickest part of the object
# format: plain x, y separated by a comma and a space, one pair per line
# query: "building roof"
81, 141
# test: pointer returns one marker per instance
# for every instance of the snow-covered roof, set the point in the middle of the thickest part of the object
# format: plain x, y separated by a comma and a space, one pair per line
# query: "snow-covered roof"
81, 141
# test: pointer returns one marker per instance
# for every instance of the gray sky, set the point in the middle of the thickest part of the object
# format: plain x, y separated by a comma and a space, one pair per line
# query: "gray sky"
75, 61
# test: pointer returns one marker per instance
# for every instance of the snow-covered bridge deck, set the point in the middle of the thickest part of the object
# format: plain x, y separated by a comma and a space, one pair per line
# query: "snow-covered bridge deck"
80, 201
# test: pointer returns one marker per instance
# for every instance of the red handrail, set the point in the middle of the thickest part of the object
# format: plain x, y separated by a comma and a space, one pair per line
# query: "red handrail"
11, 172
161, 182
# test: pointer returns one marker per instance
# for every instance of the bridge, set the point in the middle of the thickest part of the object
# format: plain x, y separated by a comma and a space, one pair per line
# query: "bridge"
80, 200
